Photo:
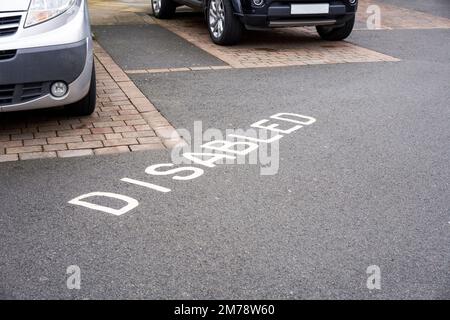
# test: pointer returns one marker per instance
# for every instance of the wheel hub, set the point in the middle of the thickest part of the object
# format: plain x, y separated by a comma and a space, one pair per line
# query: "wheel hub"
156, 5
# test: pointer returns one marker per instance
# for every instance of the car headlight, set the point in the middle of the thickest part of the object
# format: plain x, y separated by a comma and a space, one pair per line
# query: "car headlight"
43, 10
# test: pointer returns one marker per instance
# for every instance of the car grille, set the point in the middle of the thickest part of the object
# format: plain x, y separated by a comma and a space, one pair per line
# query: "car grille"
9, 25
13, 94
7, 54
6, 94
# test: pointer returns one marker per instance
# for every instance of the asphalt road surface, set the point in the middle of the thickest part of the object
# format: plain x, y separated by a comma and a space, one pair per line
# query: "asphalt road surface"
367, 184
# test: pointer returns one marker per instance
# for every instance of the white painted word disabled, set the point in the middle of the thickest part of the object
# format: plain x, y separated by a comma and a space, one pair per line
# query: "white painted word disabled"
206, 156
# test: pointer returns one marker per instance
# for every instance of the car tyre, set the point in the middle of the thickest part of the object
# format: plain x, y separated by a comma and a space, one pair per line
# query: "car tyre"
163, 9
85, 106
224, 26
336, 33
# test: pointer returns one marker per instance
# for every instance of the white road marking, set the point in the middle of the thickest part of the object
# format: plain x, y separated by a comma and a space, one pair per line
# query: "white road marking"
132, 203
196, 172
225, 146
146, 184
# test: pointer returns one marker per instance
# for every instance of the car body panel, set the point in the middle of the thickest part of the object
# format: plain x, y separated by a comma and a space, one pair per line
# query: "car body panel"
60, 49
14, 5
69, 27
77, 89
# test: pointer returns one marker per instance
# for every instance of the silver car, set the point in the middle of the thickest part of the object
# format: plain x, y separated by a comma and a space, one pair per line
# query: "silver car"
46, 56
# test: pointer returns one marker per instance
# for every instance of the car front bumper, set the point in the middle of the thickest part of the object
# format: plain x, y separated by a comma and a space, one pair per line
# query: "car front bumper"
25, 80
278, 14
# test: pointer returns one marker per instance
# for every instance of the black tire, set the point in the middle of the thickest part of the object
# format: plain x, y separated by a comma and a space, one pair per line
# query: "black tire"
85, 106
166, 11
233, 28
336, 33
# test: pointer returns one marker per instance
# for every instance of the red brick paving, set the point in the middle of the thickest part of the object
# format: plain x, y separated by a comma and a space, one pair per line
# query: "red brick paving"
124, 121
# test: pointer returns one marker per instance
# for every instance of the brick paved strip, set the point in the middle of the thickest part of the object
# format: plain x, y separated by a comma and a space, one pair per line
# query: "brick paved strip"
22, 136
101, 130
127, 117
85, 145
139, 134
60, 140
143, 147
73, 132
94, 137
48, 134
120, 142
9, 144
9, 157
142, 127
111, 136
278, 48
55, 147
5, 131
124, 129
109, 124
37, 155
139, 122
23, 149
75, 153
149, 140
112, 150
35, 142
143, 105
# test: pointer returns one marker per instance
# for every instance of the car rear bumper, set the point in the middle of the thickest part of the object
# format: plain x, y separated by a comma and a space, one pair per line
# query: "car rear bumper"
26, 78
278, 14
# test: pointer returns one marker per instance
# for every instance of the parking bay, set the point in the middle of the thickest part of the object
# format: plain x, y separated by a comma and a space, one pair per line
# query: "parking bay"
142, 47
360, 187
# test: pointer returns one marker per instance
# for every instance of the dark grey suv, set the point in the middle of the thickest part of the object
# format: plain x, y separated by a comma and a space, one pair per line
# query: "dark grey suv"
226, 19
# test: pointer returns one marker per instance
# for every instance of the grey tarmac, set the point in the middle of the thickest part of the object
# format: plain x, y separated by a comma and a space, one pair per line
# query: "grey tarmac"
367, 184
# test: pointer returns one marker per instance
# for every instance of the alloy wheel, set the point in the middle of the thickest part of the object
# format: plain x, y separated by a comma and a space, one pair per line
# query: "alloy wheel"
216, 18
